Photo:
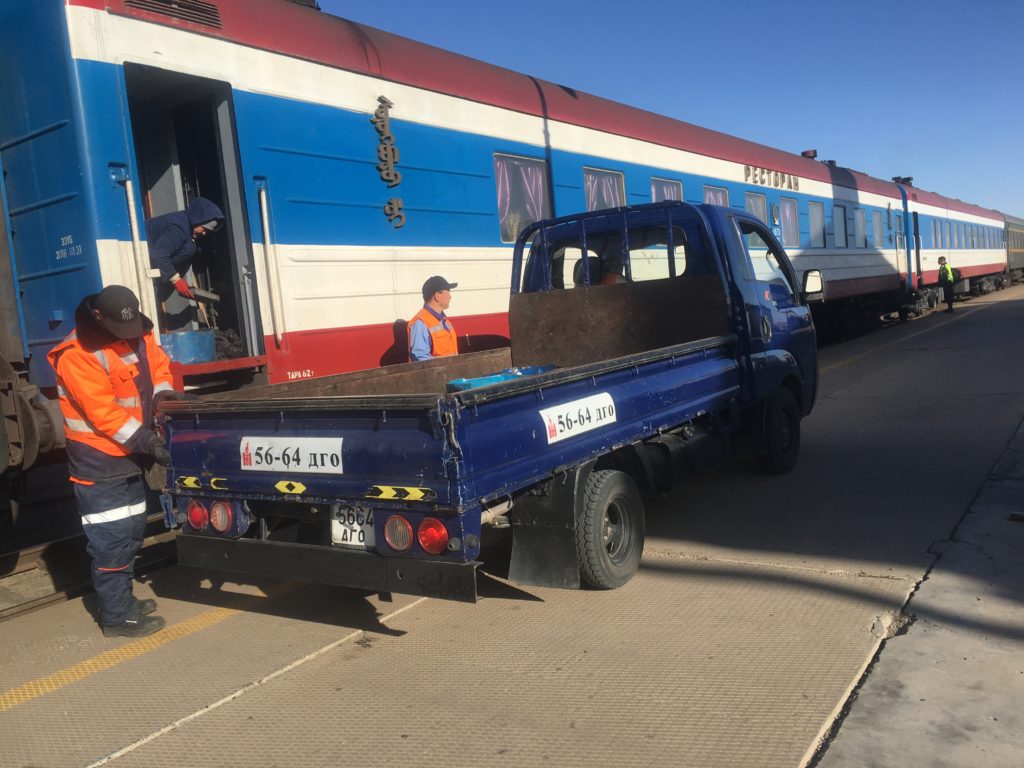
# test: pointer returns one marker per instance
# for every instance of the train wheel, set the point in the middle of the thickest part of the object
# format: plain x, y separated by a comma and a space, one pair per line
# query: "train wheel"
610, 531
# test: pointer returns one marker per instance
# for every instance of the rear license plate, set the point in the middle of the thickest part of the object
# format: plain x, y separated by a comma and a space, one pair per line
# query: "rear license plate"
352, 527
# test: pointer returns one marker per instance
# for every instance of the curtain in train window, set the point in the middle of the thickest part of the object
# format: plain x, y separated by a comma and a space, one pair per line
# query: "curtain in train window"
790, 223
859, 228
757, 205
877, 236
665, 189
839, 225
716, 196
816, 213
522, 193
604, 189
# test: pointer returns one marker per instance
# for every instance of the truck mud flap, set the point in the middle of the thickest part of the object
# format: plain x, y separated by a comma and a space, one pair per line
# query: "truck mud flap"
330, 565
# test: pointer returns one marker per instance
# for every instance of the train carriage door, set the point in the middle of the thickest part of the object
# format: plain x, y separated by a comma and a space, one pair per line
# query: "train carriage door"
186, 147
917, 246
900, 239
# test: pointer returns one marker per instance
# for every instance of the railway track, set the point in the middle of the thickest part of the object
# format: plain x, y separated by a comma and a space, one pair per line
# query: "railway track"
43, 574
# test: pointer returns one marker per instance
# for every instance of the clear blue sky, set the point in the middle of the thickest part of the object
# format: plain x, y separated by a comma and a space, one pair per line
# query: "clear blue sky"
933, 90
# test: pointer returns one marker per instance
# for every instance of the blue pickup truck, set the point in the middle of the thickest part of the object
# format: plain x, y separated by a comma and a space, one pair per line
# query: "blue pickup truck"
645, 343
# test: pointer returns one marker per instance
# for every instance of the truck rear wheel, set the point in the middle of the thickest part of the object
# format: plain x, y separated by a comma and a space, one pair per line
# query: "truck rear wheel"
782, 434
610, 530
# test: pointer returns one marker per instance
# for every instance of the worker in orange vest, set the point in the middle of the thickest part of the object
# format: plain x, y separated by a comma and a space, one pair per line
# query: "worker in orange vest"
111, 375
431, 333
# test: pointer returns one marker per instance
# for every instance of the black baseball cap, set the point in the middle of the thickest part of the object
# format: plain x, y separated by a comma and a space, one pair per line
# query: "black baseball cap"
435, 284
119, 308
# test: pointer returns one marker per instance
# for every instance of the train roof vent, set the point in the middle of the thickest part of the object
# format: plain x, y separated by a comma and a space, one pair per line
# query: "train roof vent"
194, 11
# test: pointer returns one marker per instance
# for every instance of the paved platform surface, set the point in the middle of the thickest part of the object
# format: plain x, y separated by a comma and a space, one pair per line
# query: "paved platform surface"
949, 692
762, 604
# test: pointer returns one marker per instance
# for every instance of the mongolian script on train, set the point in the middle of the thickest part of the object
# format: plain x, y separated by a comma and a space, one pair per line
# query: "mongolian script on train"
388, 155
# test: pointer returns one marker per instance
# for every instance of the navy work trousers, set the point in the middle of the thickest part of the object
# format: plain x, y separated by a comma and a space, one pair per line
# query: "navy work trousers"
114, 520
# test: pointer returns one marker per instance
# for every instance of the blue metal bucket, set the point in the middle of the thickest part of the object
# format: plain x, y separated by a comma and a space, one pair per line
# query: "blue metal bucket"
190, 346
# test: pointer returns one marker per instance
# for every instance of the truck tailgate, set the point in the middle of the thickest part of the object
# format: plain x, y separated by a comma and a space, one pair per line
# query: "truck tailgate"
322, 449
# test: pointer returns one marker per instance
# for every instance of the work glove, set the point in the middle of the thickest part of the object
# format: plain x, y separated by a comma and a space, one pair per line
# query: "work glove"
151, 444
182, 287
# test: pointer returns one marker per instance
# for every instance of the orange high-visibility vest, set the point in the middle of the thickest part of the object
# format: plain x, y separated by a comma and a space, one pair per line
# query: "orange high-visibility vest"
443, 341
98, 396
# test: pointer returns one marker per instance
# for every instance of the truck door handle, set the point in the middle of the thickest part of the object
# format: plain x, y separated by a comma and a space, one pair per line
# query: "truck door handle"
766, 329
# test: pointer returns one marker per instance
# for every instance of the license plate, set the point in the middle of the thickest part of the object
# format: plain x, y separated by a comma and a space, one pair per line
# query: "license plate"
352, 527
570, 419
308, 455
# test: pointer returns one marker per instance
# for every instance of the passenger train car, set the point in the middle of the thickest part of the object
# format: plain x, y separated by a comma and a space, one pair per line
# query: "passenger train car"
352, 164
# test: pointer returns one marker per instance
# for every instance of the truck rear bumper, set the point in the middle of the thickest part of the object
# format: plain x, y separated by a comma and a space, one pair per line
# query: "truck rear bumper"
330, 565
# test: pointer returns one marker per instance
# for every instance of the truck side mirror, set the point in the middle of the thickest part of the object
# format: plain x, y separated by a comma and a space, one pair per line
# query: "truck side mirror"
814, 286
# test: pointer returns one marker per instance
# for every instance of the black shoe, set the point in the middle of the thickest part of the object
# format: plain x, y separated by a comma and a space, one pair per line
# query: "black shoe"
144, 606
137, 626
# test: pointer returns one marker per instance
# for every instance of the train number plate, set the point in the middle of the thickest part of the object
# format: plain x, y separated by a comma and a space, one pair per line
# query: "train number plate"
352, 527
579, 416
308, 455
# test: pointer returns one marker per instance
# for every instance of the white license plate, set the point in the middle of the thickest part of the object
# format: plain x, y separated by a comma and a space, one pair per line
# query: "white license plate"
308, 455
352, 527
579, 416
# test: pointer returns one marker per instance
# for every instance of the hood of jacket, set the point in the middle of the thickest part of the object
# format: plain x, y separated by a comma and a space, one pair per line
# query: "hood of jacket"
201, 210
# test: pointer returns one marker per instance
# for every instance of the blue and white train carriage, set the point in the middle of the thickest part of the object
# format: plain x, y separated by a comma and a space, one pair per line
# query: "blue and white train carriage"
352, 164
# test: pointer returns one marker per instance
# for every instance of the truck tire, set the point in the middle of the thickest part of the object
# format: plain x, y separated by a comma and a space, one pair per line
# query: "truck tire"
782, 434
610, 529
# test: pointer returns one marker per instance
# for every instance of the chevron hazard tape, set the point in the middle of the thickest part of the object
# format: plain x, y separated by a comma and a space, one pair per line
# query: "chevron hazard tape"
400, 493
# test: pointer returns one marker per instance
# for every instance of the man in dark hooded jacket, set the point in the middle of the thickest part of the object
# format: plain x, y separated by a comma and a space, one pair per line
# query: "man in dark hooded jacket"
173, 243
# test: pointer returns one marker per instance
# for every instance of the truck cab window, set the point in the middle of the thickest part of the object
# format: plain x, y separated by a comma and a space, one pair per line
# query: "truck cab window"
765, 261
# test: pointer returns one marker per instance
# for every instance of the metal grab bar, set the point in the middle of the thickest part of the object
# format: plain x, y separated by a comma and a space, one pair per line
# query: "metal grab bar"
143, 273
270, 264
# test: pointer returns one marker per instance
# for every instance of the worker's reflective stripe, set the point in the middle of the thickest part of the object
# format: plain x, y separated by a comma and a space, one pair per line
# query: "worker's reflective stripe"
78, 425
112, 515
163, 386
61, 392
130, 428
100, 355
130, 359
436, 328
128, 402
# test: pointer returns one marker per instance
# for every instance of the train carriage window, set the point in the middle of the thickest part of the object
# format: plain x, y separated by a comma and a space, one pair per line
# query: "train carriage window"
963, 235
665, 189
604, 189
716, 195
839, 225
790, 223
816, 213
935, 233
757, 205
522, 189
954, 243
877, 236
860, 228
945, 234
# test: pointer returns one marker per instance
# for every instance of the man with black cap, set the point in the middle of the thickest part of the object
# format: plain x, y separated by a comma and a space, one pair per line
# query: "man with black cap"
431, 333
111, 375
173, 243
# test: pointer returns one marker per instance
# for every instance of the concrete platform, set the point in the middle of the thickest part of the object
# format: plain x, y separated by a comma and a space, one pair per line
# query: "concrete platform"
663, 672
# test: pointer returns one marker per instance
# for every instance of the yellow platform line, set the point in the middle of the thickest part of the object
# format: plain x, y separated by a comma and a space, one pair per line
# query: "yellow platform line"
43, 685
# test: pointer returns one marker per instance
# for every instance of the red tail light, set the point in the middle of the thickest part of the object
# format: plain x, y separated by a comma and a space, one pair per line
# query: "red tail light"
398, 533
197, 515
221, 516
433, 535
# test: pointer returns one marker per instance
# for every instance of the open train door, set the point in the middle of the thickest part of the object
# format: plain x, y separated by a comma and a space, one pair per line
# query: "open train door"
186, 147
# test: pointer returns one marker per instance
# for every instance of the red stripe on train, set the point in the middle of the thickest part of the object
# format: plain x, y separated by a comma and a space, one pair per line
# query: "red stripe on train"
324, 352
